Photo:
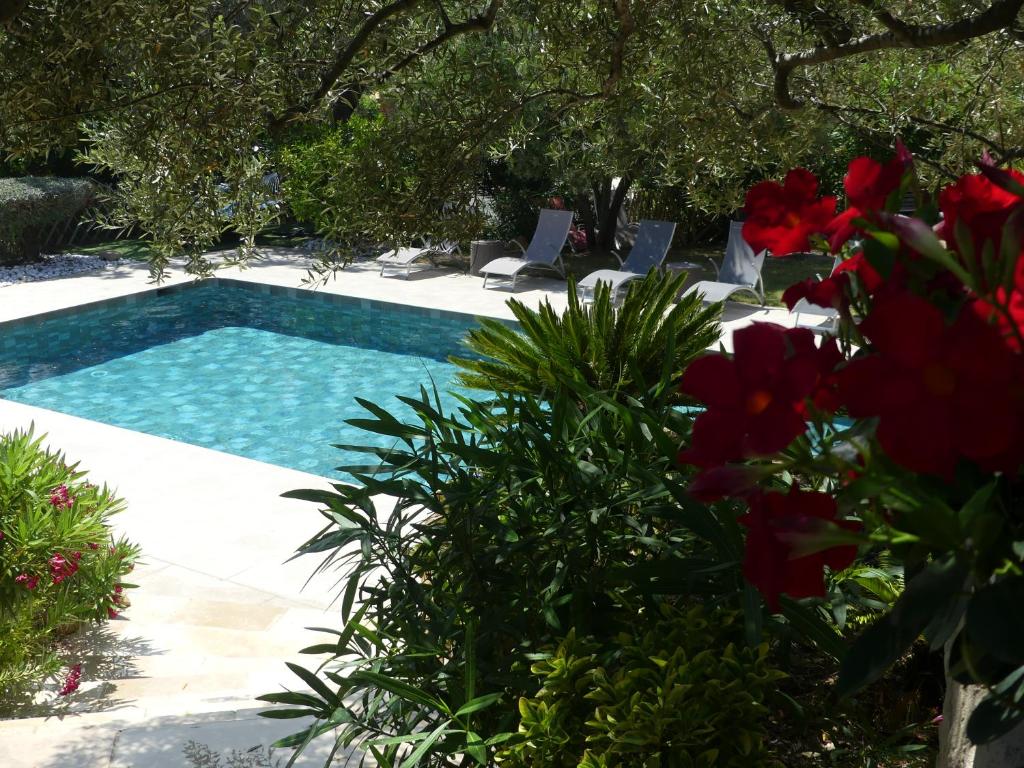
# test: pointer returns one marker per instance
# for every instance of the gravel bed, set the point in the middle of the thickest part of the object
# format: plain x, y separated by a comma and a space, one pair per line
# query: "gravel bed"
63, 265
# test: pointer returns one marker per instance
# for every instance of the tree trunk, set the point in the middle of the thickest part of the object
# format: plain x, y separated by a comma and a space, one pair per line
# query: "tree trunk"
955, 749
609, 225
585, 211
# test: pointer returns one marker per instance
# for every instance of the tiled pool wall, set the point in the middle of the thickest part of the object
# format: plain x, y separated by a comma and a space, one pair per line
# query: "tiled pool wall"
52, 343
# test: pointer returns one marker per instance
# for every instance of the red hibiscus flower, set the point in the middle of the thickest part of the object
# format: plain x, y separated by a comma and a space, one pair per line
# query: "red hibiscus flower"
981, 207
941, 392
782, 217
1005, 308
869, 186
726, 481
755, 400
867, 275
829, 293
775, 524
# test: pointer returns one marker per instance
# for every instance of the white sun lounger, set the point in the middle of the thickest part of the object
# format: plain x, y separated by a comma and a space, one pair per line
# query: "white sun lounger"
545, 248
652, 243
740, 271
405, 258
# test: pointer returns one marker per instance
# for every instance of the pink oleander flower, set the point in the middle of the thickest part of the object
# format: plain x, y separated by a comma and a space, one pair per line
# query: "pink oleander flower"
93, 545
61, 568
112, 614
29, 582
71, 682
60, 498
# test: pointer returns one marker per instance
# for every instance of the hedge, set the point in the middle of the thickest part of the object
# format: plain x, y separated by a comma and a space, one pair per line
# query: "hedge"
34, 210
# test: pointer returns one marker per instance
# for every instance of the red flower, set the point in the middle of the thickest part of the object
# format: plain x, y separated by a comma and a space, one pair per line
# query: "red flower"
829, 293
981, 207
1005, 307
755, 400
61, 568
941, 392
867, 275
781, 217
726, 481
776, 523
60, 498
71, 681
868, 185
29, 582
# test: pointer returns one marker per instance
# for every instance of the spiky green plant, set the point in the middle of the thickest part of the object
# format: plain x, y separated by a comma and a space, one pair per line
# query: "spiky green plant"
636, 350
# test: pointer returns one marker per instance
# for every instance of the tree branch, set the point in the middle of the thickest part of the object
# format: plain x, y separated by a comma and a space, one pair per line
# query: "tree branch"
627, 26
342, 60
480, 23
329, 79
1000, 15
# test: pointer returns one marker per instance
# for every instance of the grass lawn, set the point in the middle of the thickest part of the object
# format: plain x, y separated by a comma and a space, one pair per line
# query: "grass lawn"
778, 273
134, 250
138, 250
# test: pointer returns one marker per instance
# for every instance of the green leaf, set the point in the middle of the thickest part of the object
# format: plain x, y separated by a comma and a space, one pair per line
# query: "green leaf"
809, 623
399, 688
881, 644
314, 682
1000, 711
480, 702
995, 619
425, 745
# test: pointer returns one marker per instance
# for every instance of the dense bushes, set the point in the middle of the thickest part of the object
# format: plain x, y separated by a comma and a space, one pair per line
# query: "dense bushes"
33, 206
676, 689
516, 521
59, 566
552, 514
332, 181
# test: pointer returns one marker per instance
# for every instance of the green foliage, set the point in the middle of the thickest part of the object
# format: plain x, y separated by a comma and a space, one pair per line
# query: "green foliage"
676, 690
42, 597
177, 98
636, 351
366, 180
514, 521
31, 206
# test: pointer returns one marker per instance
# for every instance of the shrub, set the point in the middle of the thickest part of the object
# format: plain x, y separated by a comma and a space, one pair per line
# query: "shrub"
675, 691
514, 522
59, 566
332, 181
636, 351
32, 206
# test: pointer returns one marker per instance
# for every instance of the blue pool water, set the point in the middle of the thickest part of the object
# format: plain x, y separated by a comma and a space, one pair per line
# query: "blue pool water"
269, 376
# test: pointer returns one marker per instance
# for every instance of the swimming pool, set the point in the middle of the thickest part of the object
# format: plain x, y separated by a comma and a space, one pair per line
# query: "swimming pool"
258, 371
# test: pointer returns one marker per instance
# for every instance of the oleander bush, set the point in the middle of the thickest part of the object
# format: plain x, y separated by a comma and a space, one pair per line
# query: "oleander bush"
32, 206
676, 688
515, 522
60, 566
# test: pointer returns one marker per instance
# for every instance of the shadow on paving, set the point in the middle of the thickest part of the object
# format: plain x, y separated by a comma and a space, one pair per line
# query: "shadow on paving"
106, 657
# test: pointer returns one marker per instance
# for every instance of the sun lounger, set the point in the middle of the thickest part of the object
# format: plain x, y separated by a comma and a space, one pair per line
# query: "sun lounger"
740, 271
652, 243
545, 248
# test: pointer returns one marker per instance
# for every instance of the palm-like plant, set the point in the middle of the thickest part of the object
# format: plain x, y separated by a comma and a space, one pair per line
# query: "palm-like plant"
637, 350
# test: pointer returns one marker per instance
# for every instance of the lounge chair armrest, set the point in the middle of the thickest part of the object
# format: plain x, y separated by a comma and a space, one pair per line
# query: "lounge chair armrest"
618, 257
518, 244
714, 266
